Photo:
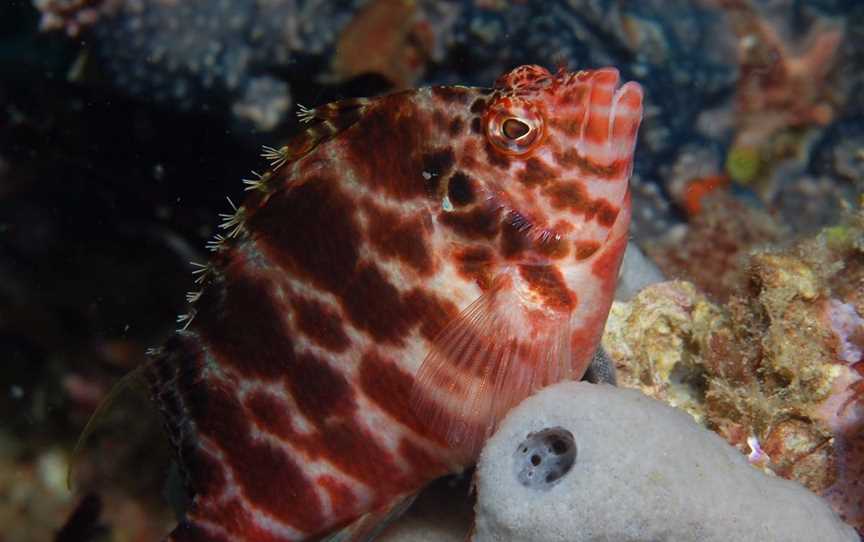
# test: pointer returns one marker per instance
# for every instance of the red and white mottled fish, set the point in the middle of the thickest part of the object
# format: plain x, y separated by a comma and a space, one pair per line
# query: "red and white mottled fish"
411, 267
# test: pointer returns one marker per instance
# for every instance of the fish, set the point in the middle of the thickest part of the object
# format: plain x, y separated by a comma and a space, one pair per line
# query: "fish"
407, 269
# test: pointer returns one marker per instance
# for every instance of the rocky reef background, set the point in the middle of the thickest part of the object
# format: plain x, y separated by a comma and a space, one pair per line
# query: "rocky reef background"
125, 123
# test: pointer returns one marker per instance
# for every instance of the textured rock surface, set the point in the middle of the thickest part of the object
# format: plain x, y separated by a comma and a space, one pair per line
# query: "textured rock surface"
643, 471
776, 370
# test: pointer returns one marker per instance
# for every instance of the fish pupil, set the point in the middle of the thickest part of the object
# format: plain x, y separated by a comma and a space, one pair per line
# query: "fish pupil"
515, 128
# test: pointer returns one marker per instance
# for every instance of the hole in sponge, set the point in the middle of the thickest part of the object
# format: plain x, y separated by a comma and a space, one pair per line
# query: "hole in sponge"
559, 446
544, 457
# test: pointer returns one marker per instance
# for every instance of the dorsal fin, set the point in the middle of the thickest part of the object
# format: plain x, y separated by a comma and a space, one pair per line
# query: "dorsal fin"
321, 123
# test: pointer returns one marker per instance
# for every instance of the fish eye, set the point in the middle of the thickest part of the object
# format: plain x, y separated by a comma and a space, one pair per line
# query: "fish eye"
513, 126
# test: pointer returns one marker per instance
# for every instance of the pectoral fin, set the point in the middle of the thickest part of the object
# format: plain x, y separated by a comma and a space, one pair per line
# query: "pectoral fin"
486, 361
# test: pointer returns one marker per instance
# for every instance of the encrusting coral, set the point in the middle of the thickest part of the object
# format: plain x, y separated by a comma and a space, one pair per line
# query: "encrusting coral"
777, 370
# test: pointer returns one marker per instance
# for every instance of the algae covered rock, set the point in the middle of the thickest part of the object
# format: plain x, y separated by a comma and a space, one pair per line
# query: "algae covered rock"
641, 471
777, 370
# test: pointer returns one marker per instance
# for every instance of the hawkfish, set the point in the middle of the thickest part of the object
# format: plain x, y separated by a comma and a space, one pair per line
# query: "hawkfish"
409, 268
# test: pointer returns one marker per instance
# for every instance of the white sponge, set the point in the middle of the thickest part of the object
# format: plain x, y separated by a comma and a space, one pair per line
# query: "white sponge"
586, 462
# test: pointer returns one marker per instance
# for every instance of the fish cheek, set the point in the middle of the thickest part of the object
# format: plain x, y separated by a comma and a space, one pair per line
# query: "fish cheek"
513, 243
474, 224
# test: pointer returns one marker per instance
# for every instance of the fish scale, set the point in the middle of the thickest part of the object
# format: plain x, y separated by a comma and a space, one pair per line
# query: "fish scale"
410, 268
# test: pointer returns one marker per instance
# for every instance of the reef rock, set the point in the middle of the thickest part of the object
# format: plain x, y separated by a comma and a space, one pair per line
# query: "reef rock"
777, 370
585, 462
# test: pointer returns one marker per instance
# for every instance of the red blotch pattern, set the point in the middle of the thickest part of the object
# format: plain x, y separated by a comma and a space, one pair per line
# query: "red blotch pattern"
311, 231
395, 236
390, 388
268, 477
270, 412
574, 197
374, 305
320, 324
431, 311
536, 173
547, 281
602, 91
343, 502
384, 144
262, 346
555, 248
475, 263
585, 249
319, 390
478, 223
614, 171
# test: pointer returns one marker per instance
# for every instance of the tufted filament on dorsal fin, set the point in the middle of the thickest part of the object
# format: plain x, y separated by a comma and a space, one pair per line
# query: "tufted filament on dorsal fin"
341, 114
320, 124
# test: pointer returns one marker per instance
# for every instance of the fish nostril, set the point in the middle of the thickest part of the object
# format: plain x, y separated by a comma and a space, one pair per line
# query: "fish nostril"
545, 457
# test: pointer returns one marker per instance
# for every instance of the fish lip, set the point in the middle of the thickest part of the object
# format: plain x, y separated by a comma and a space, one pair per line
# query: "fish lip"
609, 75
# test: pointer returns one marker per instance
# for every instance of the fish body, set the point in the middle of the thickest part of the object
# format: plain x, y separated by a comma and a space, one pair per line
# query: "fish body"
411, 267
